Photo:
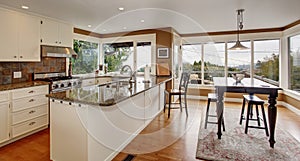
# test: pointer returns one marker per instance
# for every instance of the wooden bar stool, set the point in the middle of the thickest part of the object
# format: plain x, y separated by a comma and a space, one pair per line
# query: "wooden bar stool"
211, 98
254, 100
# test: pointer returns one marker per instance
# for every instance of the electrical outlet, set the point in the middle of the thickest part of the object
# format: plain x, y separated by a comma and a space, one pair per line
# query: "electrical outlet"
17, 74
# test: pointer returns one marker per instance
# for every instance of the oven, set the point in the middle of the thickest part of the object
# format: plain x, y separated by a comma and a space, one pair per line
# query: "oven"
58, 81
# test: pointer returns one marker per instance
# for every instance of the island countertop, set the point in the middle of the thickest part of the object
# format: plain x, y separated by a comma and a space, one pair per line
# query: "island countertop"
109, 93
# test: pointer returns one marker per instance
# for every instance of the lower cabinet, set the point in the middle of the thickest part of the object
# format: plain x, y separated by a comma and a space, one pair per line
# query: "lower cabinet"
4, 121
23, 111
92, 133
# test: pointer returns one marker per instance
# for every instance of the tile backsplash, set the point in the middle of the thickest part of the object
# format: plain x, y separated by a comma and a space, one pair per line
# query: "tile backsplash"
28, 68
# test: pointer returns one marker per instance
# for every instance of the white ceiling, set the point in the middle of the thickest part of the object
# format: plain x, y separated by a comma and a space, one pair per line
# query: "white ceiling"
185, 16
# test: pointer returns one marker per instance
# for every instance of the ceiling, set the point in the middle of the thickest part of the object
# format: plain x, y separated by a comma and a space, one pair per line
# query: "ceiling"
185, 16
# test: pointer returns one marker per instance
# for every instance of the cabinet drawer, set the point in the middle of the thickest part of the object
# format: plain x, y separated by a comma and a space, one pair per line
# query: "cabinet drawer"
24, 115
28, 102
4, 96
29, 125
27, 92
88, 82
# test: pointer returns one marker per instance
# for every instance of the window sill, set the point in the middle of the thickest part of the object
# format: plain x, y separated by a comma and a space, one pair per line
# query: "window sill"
291, 93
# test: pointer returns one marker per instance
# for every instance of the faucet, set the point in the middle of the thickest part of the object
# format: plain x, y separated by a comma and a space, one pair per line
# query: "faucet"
132, 74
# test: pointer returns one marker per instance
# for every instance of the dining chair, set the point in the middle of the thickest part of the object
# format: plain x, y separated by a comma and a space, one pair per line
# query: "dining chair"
181, 91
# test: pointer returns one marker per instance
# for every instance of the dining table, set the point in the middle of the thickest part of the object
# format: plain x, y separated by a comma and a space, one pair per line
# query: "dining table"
249, 86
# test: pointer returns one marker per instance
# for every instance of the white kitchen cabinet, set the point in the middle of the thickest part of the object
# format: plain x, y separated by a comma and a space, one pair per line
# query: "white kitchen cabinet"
151, 104
19, 39
29, 38
29, 109
4, 116
9, 35
102, 80
88, 82
56, 33
162, 88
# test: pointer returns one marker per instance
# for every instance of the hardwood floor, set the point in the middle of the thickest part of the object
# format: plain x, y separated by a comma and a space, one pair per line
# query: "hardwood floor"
163, 139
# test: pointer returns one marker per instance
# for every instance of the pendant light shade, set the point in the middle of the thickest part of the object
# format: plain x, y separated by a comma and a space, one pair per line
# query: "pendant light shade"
238, 45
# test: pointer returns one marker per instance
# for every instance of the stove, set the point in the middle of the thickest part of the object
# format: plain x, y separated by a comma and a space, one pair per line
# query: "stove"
58, 81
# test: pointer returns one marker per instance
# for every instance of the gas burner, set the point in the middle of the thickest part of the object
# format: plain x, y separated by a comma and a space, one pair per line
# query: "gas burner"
58, 81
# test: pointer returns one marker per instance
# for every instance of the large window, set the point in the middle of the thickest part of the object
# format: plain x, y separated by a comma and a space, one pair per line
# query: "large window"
191, 62
117, 55
87, 57
266, 60
294, 63
214, 61
143, 56
239, 61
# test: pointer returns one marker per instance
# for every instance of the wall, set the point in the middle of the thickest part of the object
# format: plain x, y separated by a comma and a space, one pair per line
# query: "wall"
28, 68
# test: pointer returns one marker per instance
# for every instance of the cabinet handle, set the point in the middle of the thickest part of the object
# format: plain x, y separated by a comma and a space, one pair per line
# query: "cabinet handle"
21, 56
31, 112
31, 92
31, 100
32, 123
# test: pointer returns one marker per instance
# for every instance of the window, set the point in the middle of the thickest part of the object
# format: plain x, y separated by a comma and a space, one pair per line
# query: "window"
191, 62
239, 61
294, 63
266, 60
214, 61
87, 58
143, 56
117, 55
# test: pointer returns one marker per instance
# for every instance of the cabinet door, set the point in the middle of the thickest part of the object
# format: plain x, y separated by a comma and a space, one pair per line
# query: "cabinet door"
65, 35
49, 32
151, 104
29, 38
9, 35
4, 122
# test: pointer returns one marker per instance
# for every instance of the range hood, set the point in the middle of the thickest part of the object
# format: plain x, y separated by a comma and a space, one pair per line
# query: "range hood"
57, 51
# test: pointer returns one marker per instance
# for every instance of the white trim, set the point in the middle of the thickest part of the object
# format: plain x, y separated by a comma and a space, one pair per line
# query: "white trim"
290, 107
291, 93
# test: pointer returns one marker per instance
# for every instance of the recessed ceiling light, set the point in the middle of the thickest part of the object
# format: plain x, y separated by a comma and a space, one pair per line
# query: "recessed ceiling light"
124, 28
89, 26
104, 30
142, 21
121, 8
25, 7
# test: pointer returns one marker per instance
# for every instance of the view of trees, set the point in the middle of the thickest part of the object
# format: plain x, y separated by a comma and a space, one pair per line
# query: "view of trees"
269, 67
87, 57
116, 57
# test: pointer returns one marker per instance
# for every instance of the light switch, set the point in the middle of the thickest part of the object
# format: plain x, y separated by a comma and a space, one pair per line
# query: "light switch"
17, 74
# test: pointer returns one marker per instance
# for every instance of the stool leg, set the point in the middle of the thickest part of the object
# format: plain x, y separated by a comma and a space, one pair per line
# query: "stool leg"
242, 113
251, 112
165, 102
247, 119
223, 123
207, 112
265, 121
180, 103
169, 105
257, 115
185, 105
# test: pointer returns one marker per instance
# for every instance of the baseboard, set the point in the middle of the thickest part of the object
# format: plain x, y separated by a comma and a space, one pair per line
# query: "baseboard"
290, 107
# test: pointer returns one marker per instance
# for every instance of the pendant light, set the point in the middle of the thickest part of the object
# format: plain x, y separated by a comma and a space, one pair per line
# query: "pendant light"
238, 45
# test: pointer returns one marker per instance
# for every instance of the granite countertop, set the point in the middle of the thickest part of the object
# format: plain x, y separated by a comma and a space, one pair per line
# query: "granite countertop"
109, 93
22, 85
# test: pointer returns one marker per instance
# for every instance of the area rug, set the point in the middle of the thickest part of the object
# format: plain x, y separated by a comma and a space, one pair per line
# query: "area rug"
236, 145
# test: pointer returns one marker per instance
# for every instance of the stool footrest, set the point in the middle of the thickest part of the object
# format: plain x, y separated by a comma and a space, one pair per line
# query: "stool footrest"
257, 127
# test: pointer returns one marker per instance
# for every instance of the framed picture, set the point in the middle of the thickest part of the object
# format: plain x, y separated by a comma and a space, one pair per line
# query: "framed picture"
163, 53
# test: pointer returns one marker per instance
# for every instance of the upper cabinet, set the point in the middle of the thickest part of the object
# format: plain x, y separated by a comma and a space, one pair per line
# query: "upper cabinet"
20, 36
56, 33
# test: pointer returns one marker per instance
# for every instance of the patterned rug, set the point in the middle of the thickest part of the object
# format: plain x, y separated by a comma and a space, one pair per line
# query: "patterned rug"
236, 145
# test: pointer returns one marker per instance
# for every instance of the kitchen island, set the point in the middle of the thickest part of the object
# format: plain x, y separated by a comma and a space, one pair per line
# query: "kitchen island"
96, 122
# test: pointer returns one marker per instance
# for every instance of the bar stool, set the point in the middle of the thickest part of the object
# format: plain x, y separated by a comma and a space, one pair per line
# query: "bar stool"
211, 98
253, 100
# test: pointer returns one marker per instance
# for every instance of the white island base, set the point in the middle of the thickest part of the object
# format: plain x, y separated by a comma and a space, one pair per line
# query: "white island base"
83, 132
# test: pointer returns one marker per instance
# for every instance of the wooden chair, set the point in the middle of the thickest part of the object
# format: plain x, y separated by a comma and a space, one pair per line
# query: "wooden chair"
183, 86
211, 98
254, 100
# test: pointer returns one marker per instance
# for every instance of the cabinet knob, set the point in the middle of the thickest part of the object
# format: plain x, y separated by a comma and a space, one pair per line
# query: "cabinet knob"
56, 42
59, 42
21, 56
32, 123
30, 91
31, 100
15, 56
31, 112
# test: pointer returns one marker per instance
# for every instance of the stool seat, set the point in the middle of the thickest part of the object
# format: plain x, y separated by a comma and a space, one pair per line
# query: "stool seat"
253, 100
212, 97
